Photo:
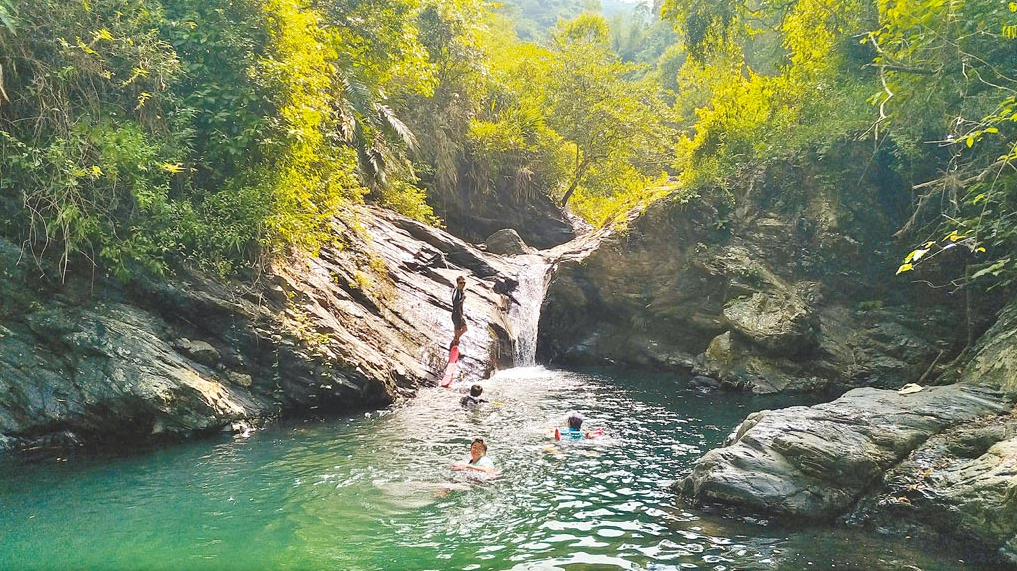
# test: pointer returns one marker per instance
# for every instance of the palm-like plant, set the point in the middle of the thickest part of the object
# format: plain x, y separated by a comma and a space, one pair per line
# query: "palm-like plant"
7, 16
367, 124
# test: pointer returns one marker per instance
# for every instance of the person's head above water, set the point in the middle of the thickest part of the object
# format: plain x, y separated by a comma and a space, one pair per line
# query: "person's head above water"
476, 390
478, 448
575, 420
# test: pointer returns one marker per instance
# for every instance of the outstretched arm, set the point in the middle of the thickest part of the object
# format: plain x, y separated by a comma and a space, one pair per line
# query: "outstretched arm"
486, 468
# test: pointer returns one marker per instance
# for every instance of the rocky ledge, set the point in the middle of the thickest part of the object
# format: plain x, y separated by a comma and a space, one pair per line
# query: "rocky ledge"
818, 461
359, 326
939, 464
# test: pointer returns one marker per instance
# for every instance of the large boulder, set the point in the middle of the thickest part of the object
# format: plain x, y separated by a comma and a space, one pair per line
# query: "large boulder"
506, 242
960, 486
816, 462
737, 365
780, 324
940, 463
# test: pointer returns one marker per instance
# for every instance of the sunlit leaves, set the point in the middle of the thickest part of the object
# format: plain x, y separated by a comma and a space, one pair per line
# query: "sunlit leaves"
916, 255
592, 104
172, 168
946, 68
766, 81
251, 95
7, 16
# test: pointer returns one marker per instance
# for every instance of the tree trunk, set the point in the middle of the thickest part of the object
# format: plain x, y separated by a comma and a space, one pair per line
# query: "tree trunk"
580, 170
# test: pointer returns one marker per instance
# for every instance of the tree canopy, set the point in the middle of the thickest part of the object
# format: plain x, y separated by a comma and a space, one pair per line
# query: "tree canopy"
145, 134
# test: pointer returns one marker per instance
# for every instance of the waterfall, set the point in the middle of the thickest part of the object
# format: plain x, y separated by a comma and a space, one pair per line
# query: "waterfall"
525, 316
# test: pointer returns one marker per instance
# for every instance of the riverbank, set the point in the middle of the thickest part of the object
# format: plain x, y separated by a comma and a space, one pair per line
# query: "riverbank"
364, 324
940, 463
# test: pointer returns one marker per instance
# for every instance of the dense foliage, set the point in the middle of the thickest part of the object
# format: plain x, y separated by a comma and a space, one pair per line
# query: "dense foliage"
947, 74
930, 83
143, 134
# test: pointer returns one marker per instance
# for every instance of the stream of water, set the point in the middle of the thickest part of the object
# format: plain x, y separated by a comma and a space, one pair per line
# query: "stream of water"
525, 310
375, 492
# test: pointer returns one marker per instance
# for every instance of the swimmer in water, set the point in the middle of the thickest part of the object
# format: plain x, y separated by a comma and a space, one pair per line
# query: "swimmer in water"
478, 462
473, 399
575, 429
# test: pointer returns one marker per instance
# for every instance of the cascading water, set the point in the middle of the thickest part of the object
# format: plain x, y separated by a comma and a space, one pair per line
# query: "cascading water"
525, 316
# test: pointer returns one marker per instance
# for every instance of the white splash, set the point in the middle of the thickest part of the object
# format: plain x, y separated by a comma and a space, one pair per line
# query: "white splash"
525, 316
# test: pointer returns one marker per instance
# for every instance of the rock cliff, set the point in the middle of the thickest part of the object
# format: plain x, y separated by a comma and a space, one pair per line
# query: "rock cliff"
358, 326
789, 287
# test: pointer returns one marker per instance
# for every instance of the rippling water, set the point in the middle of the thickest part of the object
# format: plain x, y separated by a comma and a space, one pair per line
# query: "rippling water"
375, 493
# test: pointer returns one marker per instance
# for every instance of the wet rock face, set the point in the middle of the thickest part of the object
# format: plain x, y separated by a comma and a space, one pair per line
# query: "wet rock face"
651, 296
761, 298
357, 327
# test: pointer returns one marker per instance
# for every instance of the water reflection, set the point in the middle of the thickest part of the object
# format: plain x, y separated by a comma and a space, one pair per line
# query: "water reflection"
375, 492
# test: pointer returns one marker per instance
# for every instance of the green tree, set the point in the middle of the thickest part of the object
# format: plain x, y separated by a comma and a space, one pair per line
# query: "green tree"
512, 151
139, 134
606, 118
946, 76
765, 83
451, 32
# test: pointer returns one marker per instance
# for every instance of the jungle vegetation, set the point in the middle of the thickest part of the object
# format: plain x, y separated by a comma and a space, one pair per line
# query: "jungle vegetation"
142, 135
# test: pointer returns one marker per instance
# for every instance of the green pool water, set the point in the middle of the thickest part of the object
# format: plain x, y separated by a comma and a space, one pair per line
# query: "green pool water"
375, 492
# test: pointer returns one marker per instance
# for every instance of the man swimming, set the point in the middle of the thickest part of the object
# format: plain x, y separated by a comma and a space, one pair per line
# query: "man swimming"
575, 429
472, 399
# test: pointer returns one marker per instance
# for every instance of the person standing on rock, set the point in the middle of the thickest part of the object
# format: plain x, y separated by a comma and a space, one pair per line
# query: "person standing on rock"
458, 321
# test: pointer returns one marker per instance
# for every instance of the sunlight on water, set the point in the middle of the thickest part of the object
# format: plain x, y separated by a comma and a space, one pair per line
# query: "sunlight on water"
375, 492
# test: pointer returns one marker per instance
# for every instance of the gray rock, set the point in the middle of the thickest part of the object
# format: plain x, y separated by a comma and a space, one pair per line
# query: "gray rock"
995, 358
960, 486
199, 351
786, 280
736, 365
817, 461
356, 327
780, 324
537, 219
240, 379
506, 242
